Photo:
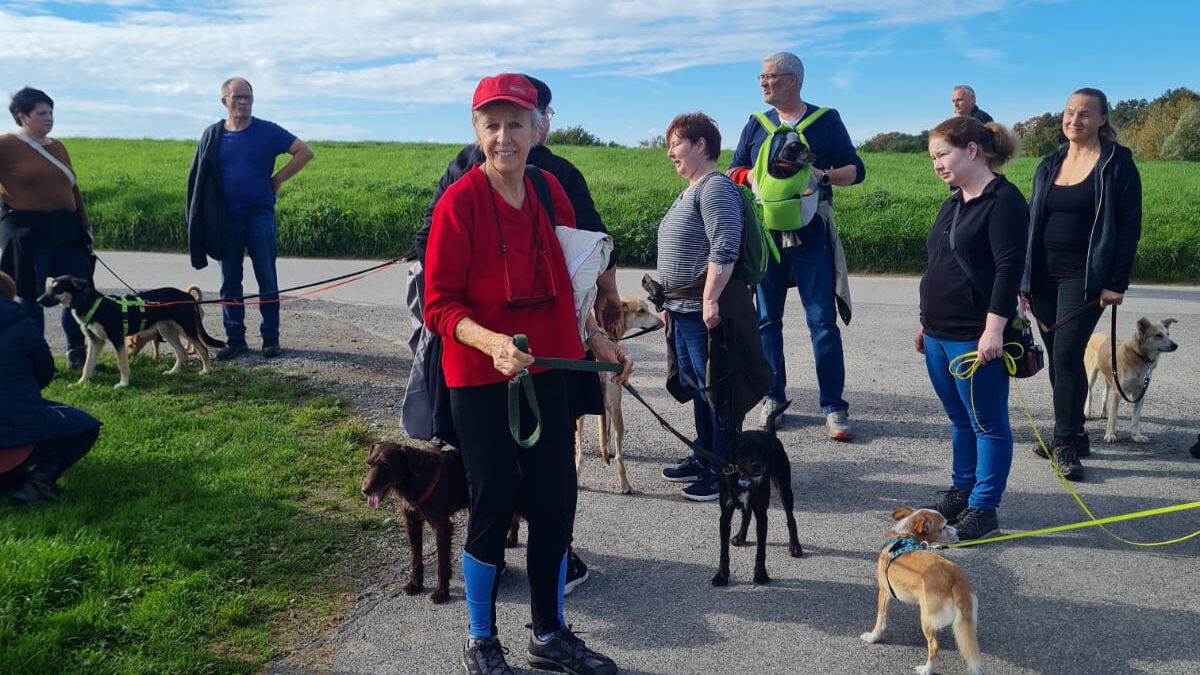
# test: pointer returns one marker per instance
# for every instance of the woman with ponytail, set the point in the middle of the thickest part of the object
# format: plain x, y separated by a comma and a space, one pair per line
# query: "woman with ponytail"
968, 294
1085, 222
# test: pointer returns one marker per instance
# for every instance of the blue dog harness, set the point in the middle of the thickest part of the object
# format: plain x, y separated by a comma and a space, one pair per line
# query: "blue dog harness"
899, 546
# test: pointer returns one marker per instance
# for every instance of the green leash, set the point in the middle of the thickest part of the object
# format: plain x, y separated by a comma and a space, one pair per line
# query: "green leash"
523, 380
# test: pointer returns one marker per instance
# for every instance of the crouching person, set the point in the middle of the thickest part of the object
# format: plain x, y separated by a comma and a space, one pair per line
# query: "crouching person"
39, 439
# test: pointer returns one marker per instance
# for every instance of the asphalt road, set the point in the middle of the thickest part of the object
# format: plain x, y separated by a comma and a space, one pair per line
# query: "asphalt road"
1073, 603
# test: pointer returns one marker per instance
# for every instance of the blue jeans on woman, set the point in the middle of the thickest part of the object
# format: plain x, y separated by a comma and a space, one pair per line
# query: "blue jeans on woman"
691, 356
252, 233
979, 431
812, 265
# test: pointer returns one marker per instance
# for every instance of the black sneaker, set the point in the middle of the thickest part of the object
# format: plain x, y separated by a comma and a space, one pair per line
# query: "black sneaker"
1064, 456
1083, 444
35, 490
485, 656
565, 652
974, 523
231, 351
951, 505
706, 489
76, 357
689, 469
577, 572
271, 348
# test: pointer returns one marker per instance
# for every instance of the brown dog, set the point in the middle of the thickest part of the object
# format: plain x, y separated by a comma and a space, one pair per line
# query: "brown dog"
432, 486
635, 316
910, 572
1136, 359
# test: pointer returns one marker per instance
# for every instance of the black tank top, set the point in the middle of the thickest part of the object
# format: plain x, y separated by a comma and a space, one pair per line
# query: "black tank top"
1070, 214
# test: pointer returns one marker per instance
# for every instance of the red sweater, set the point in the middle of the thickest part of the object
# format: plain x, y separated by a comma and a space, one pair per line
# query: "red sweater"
465, 276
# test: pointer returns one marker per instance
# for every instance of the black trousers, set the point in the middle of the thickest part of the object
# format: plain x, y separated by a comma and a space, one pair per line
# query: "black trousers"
501, 475
1051, 300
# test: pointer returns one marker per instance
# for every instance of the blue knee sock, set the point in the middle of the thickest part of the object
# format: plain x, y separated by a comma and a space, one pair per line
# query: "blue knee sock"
480, 581
562, 582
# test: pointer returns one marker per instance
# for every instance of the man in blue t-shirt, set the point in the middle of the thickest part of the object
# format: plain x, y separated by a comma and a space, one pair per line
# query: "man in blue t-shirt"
811, 255
231, 208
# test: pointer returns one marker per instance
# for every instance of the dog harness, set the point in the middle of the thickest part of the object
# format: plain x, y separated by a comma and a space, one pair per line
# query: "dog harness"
900, 546
132, 308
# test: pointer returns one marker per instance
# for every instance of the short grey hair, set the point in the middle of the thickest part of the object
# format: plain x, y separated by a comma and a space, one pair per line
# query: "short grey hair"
229, 83
964, 87
537, 119
788, 63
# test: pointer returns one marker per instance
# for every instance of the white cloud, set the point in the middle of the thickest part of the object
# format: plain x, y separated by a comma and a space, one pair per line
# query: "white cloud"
408, 52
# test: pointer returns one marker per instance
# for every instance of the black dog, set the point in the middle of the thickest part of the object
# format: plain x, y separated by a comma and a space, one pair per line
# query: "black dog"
760, 460
105, 318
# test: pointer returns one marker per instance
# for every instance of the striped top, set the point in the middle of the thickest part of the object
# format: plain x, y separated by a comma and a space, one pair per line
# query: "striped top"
696, 232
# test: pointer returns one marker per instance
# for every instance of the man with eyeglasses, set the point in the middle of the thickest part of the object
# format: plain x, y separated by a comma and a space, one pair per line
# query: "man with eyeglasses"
588, 397
231, 209
810, 250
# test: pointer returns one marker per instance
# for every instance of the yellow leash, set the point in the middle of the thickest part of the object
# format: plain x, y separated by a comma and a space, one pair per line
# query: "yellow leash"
964, 367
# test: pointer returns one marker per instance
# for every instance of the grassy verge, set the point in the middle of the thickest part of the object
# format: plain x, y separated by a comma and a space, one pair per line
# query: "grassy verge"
191, 536
366, 199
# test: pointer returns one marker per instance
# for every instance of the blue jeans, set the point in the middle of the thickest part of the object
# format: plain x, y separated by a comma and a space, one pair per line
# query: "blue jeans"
691, 355
52, 261
981, 440
253, 233
812, 264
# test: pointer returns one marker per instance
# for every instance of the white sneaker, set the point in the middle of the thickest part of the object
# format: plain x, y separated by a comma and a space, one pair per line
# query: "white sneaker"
769, 407
838, 426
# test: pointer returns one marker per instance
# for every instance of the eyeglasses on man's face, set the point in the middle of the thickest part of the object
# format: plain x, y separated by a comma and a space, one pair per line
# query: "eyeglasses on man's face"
771, 77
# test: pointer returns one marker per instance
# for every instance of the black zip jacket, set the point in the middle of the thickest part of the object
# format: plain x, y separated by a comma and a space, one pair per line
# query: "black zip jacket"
990, 234
205, 207
586, 216
1116, 229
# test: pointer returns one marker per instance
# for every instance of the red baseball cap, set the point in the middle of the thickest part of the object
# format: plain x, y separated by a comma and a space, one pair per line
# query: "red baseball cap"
509, 87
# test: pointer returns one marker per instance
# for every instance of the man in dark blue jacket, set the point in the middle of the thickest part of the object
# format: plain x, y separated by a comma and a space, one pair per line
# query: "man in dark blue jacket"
811, 256
39, 439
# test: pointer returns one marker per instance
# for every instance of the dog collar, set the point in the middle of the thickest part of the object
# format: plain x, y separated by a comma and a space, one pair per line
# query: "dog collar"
428, 490
902, 545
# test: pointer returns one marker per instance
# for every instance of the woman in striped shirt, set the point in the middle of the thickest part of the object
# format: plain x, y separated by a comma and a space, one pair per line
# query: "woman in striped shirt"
698, 244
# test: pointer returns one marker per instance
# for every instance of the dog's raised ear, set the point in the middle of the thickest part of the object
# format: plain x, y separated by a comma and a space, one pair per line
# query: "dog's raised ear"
1143, 327
1167, 322
901, 513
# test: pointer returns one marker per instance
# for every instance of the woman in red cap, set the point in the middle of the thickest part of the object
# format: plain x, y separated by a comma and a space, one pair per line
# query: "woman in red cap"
493, 269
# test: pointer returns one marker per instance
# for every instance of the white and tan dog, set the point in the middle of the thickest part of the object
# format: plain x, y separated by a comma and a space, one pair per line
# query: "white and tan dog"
1136, 359
635, 316
911, 572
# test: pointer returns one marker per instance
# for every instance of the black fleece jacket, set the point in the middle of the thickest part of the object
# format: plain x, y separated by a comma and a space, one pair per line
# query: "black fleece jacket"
990, 234
205, 205
586, 216
1117, 227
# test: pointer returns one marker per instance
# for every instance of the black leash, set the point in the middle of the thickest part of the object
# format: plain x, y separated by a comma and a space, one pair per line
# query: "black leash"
1071, 316
727, 467
1116, 378
641, 333
110, 271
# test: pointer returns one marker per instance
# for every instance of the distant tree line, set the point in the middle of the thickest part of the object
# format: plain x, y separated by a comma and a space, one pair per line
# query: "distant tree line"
577, 135
1167, 127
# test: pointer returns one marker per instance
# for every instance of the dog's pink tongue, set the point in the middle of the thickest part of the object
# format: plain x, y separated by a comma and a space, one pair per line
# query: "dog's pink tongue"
373, 501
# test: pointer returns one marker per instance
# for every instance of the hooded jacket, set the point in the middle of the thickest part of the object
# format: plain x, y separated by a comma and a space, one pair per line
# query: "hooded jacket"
1117, 225
26, 368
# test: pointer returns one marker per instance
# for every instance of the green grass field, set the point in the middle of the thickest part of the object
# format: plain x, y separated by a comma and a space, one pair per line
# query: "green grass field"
365, 200
193, 537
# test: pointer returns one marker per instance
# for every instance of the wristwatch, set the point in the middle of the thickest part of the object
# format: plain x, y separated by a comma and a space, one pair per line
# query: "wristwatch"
825, 180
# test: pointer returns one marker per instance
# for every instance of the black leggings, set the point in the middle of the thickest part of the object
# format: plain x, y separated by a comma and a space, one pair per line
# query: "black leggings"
501, 474
1051, 300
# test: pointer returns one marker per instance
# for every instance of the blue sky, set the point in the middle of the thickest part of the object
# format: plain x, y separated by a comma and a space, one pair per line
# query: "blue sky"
403, 70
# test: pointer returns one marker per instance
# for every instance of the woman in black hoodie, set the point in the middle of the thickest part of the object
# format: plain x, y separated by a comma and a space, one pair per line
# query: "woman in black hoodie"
1085, 222
968, 294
